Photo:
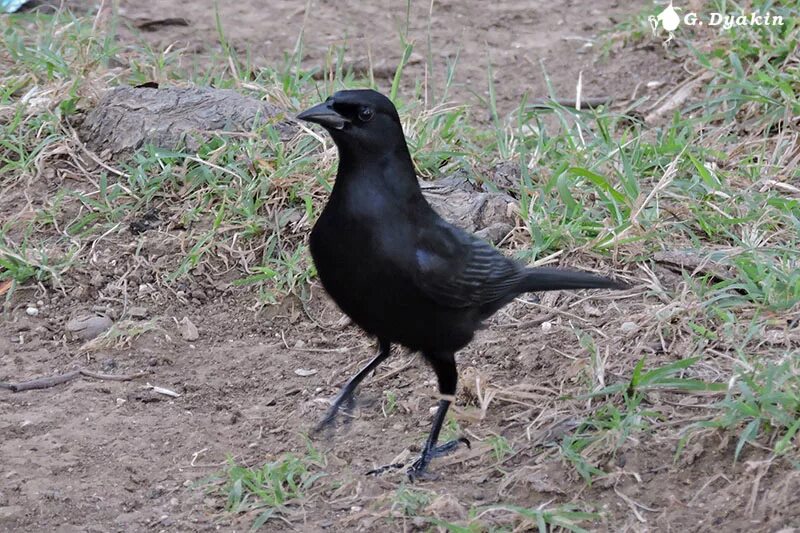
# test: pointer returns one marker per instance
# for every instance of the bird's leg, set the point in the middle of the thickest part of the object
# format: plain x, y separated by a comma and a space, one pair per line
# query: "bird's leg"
445, 367
345, 396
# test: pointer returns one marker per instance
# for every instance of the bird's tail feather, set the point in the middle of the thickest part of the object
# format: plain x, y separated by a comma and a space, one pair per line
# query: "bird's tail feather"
553, 279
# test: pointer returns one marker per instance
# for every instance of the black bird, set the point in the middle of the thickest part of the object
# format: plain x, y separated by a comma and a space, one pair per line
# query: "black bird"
395, 267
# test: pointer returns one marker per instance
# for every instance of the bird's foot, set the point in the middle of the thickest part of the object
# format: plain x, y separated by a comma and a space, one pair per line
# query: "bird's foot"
419, 468
450, 446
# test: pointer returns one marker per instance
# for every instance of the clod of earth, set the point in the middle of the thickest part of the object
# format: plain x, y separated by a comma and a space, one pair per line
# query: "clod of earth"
487, 214
87, 327
127, 118
137, 312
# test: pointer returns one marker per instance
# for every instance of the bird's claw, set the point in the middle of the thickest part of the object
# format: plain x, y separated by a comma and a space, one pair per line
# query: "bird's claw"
450, 446
419, 468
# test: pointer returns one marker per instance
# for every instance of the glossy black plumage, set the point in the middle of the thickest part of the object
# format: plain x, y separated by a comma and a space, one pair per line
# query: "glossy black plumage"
400, 271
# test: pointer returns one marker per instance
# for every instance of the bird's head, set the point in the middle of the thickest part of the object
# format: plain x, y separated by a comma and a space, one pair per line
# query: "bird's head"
361, 119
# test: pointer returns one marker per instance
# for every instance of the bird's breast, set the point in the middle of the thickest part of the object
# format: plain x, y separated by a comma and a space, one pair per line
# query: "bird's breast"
368, 264
361, 265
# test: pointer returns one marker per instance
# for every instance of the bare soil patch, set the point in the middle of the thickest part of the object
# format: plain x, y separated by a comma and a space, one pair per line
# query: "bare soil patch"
104, 456
520, 40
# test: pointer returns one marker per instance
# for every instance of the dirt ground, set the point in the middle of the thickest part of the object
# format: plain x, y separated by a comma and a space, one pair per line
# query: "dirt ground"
117, 456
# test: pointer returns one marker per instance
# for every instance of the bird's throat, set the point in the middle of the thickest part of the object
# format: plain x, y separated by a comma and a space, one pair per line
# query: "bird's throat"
391, 171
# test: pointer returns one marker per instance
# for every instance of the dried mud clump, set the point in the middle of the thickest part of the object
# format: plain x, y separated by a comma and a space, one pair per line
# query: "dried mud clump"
127, 118
487, 214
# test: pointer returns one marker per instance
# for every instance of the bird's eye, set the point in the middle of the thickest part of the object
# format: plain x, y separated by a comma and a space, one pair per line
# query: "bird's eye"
365, 114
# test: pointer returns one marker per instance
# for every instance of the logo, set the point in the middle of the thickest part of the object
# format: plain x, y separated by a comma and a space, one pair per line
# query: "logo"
669, 20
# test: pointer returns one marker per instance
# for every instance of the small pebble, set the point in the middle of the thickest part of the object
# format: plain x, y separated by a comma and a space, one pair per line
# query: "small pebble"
138, 312
32, 311
188, 330
629, 327
87, 327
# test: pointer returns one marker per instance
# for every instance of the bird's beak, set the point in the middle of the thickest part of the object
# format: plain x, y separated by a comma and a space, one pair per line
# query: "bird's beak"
324, 115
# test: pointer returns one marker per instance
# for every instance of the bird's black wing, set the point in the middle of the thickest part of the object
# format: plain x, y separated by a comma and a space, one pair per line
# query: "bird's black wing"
457, 269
